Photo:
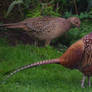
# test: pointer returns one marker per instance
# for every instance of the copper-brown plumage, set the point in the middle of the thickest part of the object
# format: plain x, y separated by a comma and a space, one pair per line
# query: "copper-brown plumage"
72, 57
78, 56
45, 28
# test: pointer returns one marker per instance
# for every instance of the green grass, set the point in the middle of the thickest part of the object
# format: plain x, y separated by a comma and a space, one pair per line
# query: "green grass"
46, 78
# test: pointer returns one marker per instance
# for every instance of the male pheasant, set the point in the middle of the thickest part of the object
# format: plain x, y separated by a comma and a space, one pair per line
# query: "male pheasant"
78, 56
45, 28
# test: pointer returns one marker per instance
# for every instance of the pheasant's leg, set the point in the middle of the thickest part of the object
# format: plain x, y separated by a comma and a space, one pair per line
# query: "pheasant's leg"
83, 81
36, 42
47, 42
89, 82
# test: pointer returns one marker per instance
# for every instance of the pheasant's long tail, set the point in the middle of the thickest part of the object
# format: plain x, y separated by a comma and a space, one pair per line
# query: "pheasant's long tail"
53, 61
13, 25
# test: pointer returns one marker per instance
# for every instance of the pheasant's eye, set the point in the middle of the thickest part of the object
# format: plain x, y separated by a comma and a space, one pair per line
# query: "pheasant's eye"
76, 22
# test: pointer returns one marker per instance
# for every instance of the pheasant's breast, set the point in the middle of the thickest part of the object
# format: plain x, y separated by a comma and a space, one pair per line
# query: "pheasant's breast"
86, 65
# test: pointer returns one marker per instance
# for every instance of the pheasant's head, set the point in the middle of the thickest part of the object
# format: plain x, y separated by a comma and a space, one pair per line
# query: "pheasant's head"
75, 21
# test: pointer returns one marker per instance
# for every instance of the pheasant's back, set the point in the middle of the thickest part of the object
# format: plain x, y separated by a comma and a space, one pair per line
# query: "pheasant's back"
46, 27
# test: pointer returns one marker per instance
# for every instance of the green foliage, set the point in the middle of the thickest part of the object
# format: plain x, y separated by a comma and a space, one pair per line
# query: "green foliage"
33, 13
67, 14
27, 3
85, 15
12, 6
34, 8
45, 12
50, 12
90, 13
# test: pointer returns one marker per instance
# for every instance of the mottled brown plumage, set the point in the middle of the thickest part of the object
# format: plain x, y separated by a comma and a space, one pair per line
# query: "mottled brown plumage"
46, 28
78, 56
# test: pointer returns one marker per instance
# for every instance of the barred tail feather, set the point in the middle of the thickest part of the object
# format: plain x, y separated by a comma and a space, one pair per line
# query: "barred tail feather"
53, 61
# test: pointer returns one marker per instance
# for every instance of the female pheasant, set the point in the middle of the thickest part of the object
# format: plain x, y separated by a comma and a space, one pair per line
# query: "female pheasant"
78, 56
45, 28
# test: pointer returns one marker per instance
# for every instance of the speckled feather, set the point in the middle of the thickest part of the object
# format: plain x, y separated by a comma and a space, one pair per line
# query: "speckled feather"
86, 66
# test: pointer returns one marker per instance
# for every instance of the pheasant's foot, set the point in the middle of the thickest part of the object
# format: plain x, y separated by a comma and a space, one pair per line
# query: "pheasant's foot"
47, 42
89, 82
83, 81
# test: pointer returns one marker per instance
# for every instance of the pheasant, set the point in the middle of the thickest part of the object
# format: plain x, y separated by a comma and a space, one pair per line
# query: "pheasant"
77, 56
45, 28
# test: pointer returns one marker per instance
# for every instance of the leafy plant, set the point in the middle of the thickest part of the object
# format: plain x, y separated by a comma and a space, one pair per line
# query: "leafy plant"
12, 6
68, 14
50, 12
85, 15
33, 13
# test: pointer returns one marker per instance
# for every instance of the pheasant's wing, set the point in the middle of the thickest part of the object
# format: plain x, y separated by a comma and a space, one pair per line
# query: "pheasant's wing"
38, 24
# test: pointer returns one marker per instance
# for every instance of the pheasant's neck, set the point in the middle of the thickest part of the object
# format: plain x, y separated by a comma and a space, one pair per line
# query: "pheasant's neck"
69, 24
